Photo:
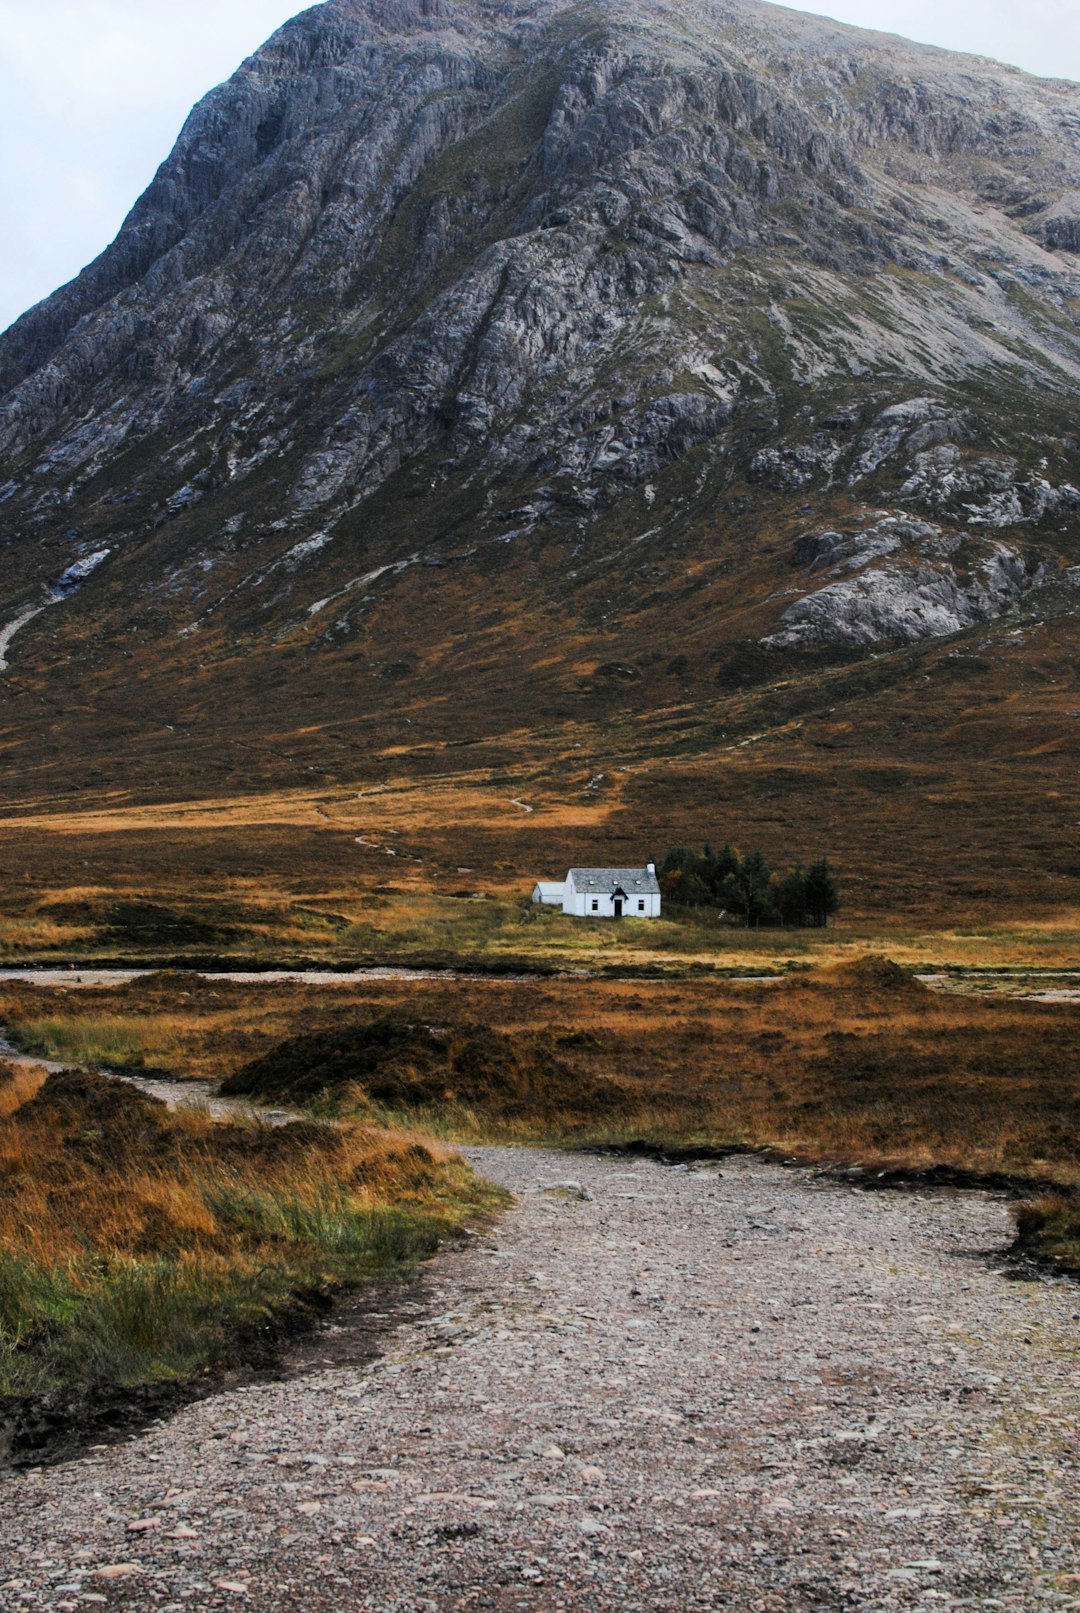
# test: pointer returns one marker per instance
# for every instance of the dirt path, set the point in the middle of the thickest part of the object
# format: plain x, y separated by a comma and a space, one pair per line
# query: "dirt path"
175, 1094
670, 1390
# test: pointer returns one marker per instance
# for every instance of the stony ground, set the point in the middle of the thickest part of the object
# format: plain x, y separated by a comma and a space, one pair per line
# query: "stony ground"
740, 1389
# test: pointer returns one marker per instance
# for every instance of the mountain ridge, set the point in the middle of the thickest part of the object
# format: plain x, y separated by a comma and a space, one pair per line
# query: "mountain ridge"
478, 371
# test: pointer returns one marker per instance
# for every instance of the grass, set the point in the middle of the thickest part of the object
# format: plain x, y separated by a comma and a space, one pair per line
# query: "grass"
849, 1059
1048, 1227
849, 1064
488, 923
17, 1086
138, 1244
116, 1040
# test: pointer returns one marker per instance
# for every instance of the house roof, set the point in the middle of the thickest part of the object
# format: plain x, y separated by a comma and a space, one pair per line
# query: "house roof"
550, 886
602, 881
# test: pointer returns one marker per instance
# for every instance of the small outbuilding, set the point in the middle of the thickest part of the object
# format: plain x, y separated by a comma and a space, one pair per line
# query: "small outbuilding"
612, 893
549, 892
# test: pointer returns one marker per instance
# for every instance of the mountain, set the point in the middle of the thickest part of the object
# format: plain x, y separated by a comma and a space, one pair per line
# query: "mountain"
534, 391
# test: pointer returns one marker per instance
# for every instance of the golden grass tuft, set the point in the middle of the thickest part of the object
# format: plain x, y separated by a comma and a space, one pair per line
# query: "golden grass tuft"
112, 1039
136, 1242
18, 1084
1048, 1227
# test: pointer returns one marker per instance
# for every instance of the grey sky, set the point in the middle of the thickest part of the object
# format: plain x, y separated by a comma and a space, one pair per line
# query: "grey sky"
93, 93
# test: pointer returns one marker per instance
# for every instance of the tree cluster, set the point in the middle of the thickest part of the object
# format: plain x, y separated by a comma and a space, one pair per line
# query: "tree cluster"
747, 888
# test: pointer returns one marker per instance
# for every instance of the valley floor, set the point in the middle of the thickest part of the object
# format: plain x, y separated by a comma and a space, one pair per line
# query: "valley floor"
742, 1388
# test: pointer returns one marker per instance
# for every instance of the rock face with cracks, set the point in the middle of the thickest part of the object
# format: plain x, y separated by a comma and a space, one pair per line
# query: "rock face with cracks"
469, 285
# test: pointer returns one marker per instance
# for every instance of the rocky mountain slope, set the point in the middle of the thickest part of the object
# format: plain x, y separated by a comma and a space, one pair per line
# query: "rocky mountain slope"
475, 369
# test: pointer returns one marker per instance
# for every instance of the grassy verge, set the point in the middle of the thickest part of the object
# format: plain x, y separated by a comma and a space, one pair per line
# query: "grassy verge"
122, 1042
1048, 1229
187, 1027
138, 1244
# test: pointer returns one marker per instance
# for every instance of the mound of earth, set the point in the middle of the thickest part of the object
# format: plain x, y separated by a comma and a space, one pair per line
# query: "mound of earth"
100, 1118
402, 1064
870, 973
103, 1124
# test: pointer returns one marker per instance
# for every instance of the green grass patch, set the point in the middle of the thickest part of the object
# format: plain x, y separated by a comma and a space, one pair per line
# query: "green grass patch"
129, 1320
140, 1245
115, 1040
1048, 1228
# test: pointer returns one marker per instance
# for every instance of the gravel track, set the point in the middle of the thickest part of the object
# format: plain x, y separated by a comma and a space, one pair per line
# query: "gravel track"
743, 1389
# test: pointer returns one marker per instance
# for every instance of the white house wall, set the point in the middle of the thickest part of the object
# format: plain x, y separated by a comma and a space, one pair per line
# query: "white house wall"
578, 904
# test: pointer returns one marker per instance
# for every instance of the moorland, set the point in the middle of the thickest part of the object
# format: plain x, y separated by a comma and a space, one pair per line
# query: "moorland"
161, 1238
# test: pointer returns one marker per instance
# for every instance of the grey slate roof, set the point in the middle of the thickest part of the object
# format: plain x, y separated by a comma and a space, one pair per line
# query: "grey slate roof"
602, 881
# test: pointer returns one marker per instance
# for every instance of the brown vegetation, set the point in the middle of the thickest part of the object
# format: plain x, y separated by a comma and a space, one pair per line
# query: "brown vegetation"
18, 1084
856, 1064
395, 1063
954, 760
851, 1061
305, 772
856, 1060
135, 1242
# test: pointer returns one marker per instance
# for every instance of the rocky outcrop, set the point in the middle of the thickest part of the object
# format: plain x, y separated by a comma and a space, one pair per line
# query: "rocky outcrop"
534, 268
64, 587
989, 491
900, 581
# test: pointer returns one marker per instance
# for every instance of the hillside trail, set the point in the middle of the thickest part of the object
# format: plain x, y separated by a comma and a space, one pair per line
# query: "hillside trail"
745, 1388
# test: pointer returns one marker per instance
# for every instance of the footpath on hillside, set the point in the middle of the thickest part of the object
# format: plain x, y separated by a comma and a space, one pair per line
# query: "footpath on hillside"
739, 1388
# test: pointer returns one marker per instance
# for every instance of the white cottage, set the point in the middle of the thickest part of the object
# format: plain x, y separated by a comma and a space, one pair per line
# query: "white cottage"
612, 893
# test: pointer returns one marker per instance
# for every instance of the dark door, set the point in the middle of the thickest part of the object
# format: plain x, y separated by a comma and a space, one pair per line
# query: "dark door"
618, 907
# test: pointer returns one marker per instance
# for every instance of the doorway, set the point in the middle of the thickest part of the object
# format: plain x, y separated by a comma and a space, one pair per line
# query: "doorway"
617, 903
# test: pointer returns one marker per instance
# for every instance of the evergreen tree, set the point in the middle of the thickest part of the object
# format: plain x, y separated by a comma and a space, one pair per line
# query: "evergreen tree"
752, 889
745, 886
677, 861
680, 878
822, 894
790, 897
722, 878
728, 863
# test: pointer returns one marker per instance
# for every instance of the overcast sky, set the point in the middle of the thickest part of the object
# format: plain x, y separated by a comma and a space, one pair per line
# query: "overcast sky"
93, 94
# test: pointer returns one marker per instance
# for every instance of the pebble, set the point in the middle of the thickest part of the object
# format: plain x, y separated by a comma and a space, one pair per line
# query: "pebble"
900, 1433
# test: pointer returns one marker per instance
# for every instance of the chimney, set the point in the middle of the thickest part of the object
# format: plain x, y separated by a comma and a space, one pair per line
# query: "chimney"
650, 868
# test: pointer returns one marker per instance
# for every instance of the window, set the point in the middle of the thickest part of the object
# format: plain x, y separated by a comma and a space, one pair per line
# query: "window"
595, 905
641, 905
